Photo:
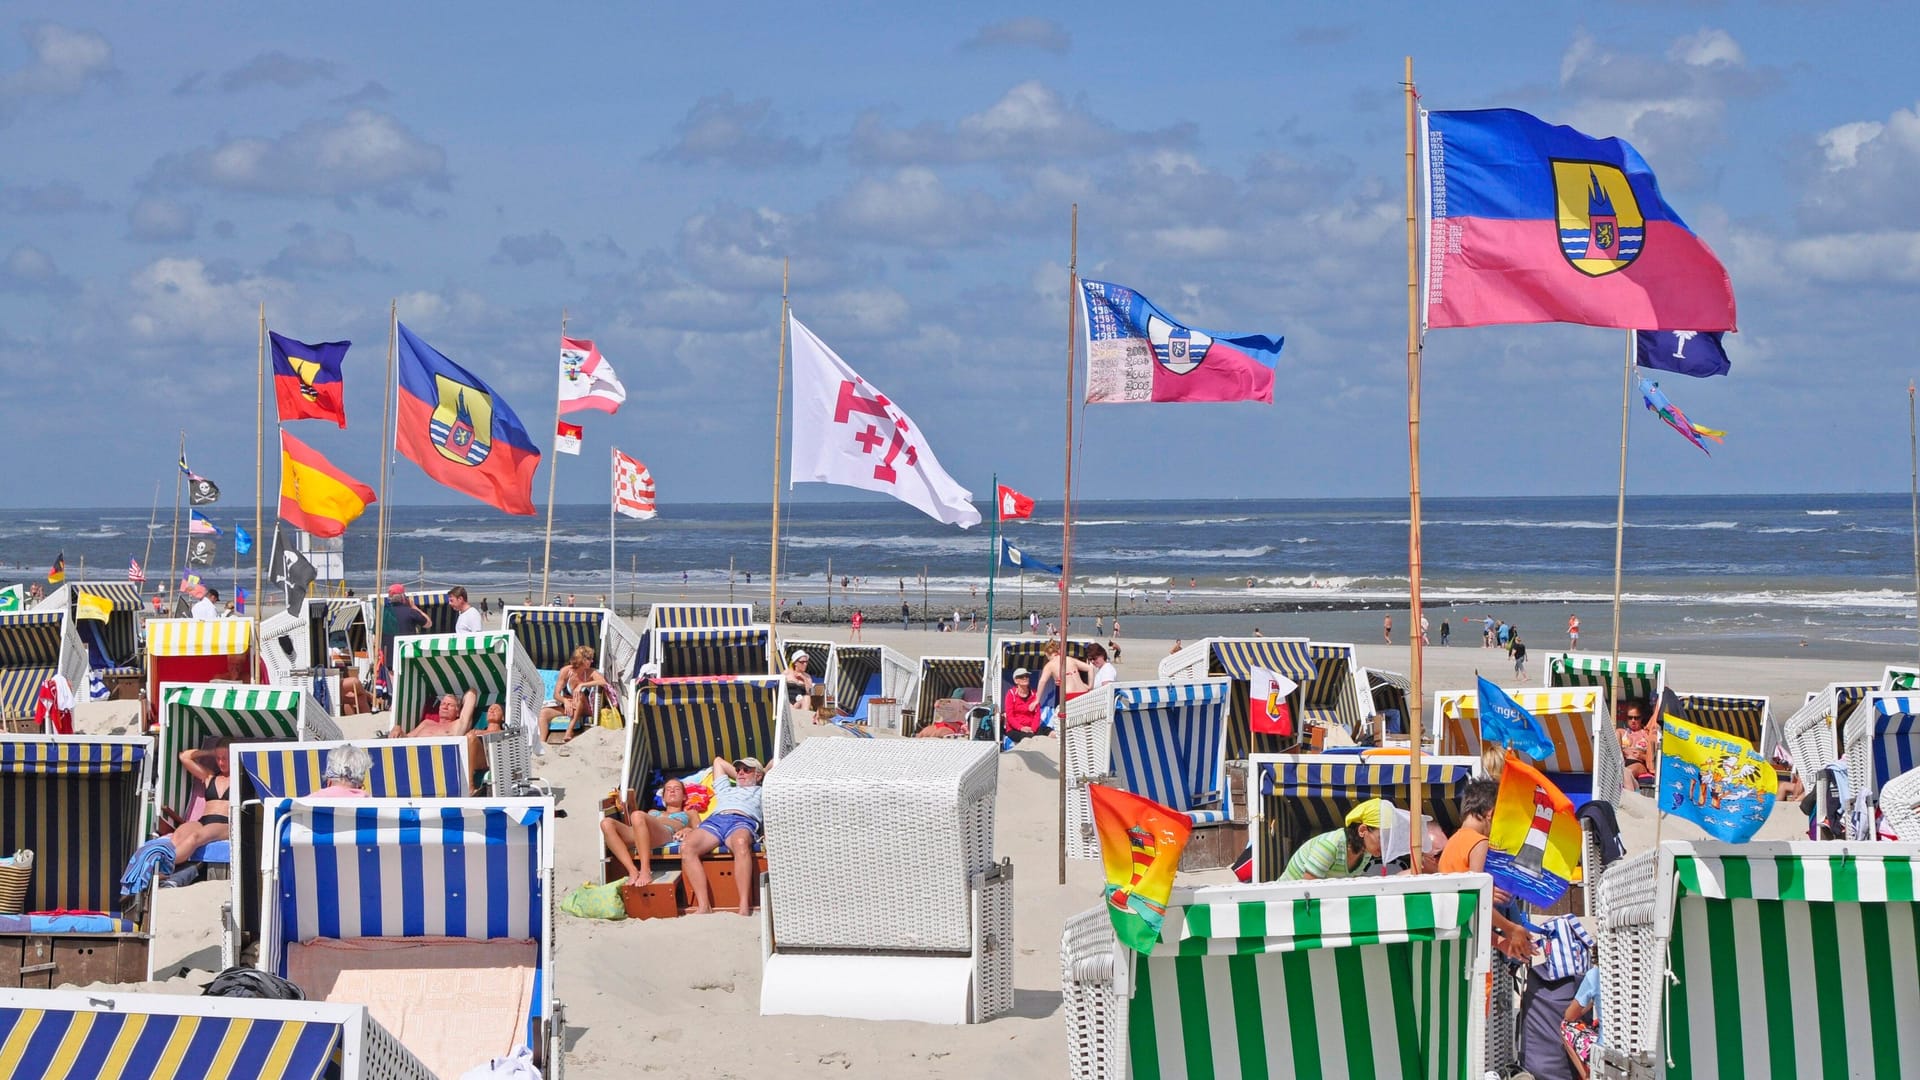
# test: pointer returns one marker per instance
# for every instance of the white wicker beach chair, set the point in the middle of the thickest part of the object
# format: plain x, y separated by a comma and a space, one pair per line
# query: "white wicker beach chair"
882, 899
1301, 978
1882, 742
1900, 806
1765, 959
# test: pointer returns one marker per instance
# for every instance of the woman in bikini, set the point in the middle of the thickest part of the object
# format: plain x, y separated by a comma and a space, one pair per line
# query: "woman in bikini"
208, 767
623, 834
570, 692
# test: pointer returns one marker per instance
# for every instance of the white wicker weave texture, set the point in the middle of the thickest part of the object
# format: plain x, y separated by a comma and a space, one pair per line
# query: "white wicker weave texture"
1900, 805
1095, 1015
873, 843
1632, 971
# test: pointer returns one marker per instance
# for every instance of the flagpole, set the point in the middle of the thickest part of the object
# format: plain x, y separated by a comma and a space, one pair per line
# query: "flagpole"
173, 561
613, 527
1417, 663
553, 470
1066, 524
1913, 445
1620, 530
259, 452
779, 405
993, 564
386, 471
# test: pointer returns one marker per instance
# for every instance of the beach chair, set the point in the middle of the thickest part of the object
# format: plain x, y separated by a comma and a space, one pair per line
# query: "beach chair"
1337, 695
1162, 741
34, 647
198, 651
1882, 742
548, 636
1235, 659
856, 674
433, 603
108, 1035
662, 617
1744, 716
1388, 692
190, 712
1292, 798
882, 899
1381, 977
456, 957
264, 773
111, 647
711, 653
77, 802
490, 663
310, 648
1900, 677
942, 677
1810, 733
1640, 677
1757, 960
1900, 806
1013, 653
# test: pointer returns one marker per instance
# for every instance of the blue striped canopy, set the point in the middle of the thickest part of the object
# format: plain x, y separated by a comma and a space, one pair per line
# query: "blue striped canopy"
402, 769
75, 802
677, 727
156, 1046
1169, 743
1896, 738
699, 616
548, 635
740, 650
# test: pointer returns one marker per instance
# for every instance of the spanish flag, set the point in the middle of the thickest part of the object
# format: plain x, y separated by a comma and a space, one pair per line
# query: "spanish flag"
314, 495
1140, 845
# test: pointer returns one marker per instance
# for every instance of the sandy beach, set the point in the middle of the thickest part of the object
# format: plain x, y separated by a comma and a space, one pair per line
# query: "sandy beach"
680, 997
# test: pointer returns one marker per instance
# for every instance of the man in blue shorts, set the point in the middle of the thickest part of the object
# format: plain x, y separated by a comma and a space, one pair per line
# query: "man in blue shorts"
732, 819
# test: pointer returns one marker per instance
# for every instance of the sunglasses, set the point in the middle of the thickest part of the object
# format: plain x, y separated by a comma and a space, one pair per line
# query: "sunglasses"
744, 767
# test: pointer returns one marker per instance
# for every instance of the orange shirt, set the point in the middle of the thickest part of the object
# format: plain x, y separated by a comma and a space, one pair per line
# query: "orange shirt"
1457, 856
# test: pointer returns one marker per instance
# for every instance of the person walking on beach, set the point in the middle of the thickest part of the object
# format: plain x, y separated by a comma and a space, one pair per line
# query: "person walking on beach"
1116, 633
1486, 634
858, 620
1573, 631
1446, 631
1386, 628
906, 616
1099, 625
1519, 657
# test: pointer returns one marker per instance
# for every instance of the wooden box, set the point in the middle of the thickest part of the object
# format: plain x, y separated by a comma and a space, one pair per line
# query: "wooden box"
658, 900
725, 885
45, 961
26, 961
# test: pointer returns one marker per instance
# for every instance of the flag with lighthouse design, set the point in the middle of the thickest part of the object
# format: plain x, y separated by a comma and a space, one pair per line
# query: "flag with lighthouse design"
1534, 839
1140, 846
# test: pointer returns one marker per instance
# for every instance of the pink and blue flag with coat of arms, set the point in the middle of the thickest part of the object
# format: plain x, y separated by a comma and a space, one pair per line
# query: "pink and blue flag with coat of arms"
1531, 222
1136, 352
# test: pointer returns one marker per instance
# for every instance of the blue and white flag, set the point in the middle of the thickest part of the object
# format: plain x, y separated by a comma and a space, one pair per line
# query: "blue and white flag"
1698, 353
1503, 721
1019, 560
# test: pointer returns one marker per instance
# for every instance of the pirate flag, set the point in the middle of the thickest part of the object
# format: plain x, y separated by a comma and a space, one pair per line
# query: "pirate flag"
200, 490
200, 551
292, 570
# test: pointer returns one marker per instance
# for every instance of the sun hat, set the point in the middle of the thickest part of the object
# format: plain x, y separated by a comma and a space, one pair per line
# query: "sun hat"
1367, 813
797, 657
1022, 673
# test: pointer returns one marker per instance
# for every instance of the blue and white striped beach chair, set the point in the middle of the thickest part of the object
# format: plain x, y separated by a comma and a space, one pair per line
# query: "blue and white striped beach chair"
1882, 742
362, 875
1162, 741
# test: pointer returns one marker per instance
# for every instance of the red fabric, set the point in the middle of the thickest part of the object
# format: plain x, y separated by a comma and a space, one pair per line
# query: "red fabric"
1020, 713
504, 479
47, 711
1013, 505
327, 403
1265, 718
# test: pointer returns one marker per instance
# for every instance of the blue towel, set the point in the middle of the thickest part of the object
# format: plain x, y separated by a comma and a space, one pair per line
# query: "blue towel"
155, 854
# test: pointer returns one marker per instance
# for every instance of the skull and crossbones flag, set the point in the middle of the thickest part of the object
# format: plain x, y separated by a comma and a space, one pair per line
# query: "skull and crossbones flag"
845, 431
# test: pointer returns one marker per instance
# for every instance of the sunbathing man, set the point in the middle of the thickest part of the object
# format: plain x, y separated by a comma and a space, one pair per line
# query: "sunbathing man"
734, 820
454, 716
646, 832
570, 696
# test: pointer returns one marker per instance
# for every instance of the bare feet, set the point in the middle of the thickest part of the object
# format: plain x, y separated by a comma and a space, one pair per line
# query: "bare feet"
702, 909
640, 879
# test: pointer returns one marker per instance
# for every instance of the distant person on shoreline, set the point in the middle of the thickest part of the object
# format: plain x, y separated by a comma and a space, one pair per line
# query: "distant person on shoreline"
1446, 631
858, 620
1386, 628
1486, 635
1573, 631
906, 616
1176, 647
1519, 657
1116, 633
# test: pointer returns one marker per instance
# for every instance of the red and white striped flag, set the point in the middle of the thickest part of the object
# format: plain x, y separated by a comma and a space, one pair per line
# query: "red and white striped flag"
134, 573
566, 438
632, 487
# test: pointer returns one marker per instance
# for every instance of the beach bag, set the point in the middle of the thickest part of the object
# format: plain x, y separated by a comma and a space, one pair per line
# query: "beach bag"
591, 901
245, 982
611, 719
16, 872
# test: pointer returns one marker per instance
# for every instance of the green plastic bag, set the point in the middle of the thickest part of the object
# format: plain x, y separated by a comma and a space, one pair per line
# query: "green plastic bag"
591, 901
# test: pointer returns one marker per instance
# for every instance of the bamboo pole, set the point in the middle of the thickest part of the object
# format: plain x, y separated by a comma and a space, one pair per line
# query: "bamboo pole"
1913, 446
553, 470
259, 454
779, 409
613, 528
993, 570
1416, 665
1066, 522
386, 473
173, 561
1620, 526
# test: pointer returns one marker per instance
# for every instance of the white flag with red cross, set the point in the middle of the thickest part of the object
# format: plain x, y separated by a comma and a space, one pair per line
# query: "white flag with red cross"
845, 431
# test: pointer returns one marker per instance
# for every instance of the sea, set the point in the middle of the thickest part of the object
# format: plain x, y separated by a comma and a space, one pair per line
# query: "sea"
1765, 575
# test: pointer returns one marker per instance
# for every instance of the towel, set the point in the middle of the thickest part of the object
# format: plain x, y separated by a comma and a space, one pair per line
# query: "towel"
62, 692
155, 854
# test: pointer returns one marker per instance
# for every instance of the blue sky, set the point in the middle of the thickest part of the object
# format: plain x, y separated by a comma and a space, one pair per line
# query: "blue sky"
169, 170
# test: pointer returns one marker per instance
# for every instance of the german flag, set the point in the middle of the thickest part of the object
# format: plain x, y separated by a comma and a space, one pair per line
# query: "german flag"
59, 572
314, 495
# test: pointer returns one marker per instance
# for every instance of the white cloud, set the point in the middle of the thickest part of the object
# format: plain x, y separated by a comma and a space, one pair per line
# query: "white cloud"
1030, 123
1842, 144
363, 153
158, 219
320, 250
1866, 174
743, 134
52, 197
65, 63
1858, 258
1708, 48
914, 206
184, 301
28, 269
277, 69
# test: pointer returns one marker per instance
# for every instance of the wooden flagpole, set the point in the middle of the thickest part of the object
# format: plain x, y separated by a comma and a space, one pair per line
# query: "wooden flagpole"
1066, 522
1913, 446
387, 436
553, 470
779, 409
613, 528
1620, 529
1416, 663
173, 561
259, 454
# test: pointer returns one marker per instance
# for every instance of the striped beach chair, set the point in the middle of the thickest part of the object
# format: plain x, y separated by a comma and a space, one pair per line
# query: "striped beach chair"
1744, 716
1640, 677
1010, 654
1376, 978
491, 664
679, 726
115, 1036
548, 636
78, 803
112, 646
711, 653
1294, 797
941, 677
190, 712
433, 603
391, 902
859, 673
1900, 677
687, 617
305, 649
34, 647
1337, 693
196, 651
1235, 659
1882, 742
1764, 959
1162, 741
1388, 692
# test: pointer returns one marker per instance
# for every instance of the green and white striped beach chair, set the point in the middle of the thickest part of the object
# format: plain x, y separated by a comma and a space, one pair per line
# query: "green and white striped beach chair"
1375, 978
189, 712
1640, 677
492, 664
1766, 959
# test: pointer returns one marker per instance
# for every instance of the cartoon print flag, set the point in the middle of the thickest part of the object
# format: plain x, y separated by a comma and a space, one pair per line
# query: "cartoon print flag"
1714, 780
1659, 404
1534, 839
1267, 710
1140, 846
306, 379
460, 431
1136, 352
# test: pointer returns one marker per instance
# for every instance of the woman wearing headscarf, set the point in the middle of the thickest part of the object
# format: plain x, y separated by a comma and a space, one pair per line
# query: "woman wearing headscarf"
1351, 851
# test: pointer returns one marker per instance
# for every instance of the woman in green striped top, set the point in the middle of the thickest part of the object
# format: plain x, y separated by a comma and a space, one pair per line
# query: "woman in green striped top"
1341, 853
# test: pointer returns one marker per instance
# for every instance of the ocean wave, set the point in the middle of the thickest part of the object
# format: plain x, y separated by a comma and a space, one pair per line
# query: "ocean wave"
1788, 529
1056, 523
925, 545
491, 536
1515, 523
1191, 553
1823, 513
1214, 521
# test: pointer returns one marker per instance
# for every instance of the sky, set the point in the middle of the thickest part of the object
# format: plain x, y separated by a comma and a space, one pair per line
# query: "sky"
647, 168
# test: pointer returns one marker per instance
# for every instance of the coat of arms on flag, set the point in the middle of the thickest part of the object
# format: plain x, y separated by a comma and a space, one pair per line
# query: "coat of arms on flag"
1267, 710
566, 438
587, 381
632, 487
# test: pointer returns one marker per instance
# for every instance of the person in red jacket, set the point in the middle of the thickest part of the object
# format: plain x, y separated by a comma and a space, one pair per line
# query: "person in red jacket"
1020, 712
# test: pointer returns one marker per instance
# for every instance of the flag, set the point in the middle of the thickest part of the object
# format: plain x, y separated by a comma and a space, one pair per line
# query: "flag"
1267, 710
200, 490
460, 432
1529, 222
1020, 560
187, 582
239, 599
314, 494
199, 551
134, 573
1503, 721
1013, 505
1698, 353
13, 598
59, 572
632, 487
1136, 352
1534, 839
88, 606
1140, 845
1659, 403
306, 379
845, 431
198, 524
242, 540
291, 570
566, 438
587, 381
1714, 780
